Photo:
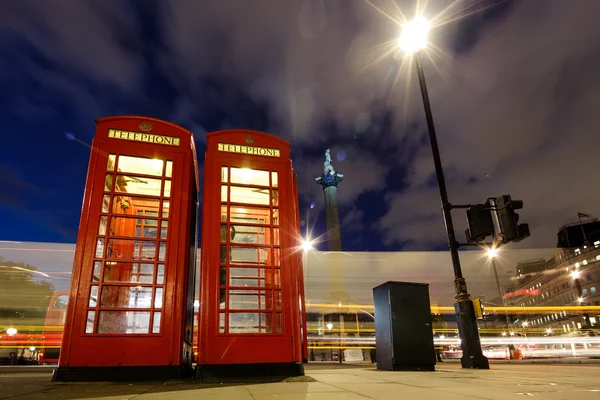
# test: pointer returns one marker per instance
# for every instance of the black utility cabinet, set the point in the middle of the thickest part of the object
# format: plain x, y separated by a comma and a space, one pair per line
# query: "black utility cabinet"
403, 331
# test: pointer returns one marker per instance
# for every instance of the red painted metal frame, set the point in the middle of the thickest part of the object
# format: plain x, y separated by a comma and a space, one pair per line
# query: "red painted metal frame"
102, 350
234, 348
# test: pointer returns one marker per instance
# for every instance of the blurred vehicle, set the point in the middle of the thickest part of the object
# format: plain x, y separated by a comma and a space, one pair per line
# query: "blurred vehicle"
53, 328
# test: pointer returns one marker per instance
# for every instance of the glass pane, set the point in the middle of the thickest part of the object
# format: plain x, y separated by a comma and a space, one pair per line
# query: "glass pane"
162, 251
254, 277
275, 216
127, 322
169, 171
275, 197
249, 323
224, 193
222, 297
249, 255
110, 166
108, 183
128, 272
167, 189
247, 176
133, 185
97, 268
163, 229
165, 209
135, 205
126, 296
274, 179
224, 175
224, 233
158, 298
247, 195
221, 322
122, 226
89, 324
277, 299
93, 296
248, 234
105, 203
160, 276
99, 247
222, 276
250, 300
156, 323
139, 165
102, 225
126, 249
248, 215
276, 237
223, 250
276, 257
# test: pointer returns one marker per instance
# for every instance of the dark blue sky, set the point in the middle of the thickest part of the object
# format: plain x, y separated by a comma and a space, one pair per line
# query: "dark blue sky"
293, 69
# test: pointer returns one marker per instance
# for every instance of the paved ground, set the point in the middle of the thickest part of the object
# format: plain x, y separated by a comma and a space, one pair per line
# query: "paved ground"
336, 382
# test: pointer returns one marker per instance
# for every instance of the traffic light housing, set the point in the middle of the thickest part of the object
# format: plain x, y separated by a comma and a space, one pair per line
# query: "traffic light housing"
479, 222
508, 219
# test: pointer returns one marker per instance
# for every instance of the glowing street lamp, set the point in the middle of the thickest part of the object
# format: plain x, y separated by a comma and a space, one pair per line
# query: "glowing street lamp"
307, 246
414, 35
412, 40
492, 253
11, 331
575, 274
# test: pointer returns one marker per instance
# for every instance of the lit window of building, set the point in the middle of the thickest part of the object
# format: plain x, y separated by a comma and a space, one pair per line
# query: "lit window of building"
593, 291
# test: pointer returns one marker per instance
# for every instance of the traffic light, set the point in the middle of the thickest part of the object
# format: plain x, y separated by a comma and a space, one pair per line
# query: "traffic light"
480, 224
508, 219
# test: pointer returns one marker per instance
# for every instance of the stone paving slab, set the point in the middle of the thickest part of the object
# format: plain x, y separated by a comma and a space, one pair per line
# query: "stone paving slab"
335, 382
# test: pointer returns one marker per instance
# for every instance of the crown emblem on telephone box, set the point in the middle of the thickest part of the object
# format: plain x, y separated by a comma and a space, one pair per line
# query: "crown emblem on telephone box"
145, 126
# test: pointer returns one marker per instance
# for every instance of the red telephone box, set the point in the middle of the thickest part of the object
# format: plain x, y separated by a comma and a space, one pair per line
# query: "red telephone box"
130, 310
252, 317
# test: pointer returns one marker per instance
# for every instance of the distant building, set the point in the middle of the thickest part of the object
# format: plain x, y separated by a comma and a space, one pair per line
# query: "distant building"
571, 278
579, 234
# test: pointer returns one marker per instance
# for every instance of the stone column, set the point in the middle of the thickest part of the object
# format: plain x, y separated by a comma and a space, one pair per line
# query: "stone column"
329, 181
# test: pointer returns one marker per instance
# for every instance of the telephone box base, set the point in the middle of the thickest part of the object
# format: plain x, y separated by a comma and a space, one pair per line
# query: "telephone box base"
217, 372
122, 374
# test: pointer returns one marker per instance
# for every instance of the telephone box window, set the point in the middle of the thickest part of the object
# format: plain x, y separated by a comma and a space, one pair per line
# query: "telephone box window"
246, 176
247, 195
138, 185
249, 277
139, 165
130, 274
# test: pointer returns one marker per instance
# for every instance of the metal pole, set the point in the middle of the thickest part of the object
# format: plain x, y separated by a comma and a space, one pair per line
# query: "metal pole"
500, 290
467, 323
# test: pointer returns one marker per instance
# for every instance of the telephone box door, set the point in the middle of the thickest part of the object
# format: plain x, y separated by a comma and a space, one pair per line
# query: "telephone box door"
253, 282
129, 262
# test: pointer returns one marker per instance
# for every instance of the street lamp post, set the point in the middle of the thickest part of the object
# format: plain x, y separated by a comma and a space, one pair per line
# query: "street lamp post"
413, 39
586, 318
492, 256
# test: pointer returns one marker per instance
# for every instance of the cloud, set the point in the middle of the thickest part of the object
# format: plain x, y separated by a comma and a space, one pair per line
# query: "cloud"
78, 36
521, 123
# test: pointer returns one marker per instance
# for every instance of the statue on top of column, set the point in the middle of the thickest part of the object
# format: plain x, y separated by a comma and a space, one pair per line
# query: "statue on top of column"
329, 177
327, 167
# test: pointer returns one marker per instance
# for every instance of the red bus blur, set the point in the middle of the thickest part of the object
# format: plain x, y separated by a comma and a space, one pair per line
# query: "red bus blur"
53, 328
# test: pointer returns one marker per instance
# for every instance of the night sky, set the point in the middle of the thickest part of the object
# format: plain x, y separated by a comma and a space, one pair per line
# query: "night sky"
514, 89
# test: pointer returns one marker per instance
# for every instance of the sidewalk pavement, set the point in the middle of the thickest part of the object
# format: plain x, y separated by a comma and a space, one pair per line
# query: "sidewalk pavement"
336, 382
